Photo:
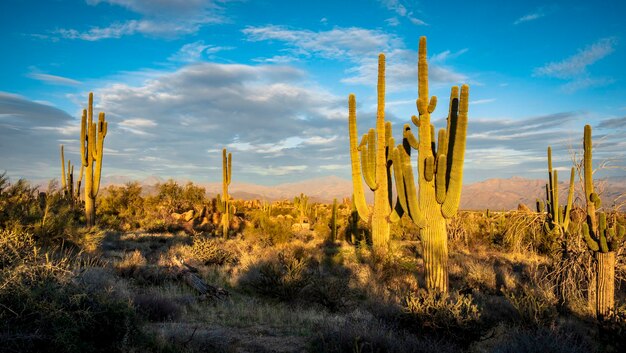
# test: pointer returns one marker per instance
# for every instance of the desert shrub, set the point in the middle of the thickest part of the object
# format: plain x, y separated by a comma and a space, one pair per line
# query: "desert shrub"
171, 197
136, 267
49, 215
121, 208
210, 251
157, 308
282, 277
363, 333
42, 309
454, 316
541, 339
535, 306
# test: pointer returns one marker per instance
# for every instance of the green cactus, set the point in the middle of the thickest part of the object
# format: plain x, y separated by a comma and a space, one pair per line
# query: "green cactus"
557, 219
333, 222
352, 228
92, 150
540, 206
301, 203
440, 173
224, 203
601, 239
67, 179
373, 166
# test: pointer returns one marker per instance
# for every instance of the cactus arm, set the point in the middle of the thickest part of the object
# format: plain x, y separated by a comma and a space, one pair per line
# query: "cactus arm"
380, 147
368, 161
604, 246
458, 133
411, 192
570, 200
555, 198
357, 184
592, 244
440, 178
617, 237
429, 168
102, 131
415, 120
588, 179
409, 137
399, 176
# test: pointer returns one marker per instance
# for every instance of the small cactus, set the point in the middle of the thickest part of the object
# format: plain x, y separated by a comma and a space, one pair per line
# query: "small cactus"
333, 222
558, 218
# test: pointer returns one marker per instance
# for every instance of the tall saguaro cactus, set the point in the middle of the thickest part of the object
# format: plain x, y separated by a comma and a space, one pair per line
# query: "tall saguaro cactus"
227, 209
600, 238
558, 218
439, 173
92, 150
373, 166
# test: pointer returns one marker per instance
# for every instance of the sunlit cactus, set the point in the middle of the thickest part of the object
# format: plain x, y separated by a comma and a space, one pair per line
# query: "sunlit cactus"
67, 179
439, 173
301, 203
333, 222
92, 150
223, 203
558, 218
370, 162
600, 238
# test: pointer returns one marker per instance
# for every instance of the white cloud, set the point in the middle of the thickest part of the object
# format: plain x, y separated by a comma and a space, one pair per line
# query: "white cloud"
574, 68
163, 18
401, 10
483, 101
530, 17
577, 64
53, 79
340, 44
261, 113
195, 51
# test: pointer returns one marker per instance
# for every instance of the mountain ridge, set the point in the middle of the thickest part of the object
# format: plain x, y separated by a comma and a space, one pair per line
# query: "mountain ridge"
494, 193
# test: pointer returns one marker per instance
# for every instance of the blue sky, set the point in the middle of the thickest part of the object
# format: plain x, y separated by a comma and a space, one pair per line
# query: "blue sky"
179, 80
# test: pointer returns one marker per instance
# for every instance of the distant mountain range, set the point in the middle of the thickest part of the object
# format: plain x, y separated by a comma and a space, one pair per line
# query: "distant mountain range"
493, 194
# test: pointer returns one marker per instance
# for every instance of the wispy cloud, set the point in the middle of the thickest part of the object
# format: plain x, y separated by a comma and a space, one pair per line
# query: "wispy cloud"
53, 79
401, 10
339, 44
163, 18
196, 51
575, 67
483, 101
539, 13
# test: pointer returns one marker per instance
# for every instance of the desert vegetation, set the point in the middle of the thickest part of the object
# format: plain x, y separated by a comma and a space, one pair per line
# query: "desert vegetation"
174, 269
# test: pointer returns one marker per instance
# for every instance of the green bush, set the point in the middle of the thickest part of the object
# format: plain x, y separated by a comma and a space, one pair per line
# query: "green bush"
453, 316
42, 309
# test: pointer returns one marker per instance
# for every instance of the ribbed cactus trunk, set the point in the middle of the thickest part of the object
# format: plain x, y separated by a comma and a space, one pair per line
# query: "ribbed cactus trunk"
435, 246
226, 177
439, 173
605, 285
92, 150
601, 238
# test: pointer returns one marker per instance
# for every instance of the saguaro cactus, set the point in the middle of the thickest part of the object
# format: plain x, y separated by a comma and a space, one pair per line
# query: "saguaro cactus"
557, 220
600, 238
440, 173
67, 179
91, 150
301, 204
333, 222
373, 166
224, 205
